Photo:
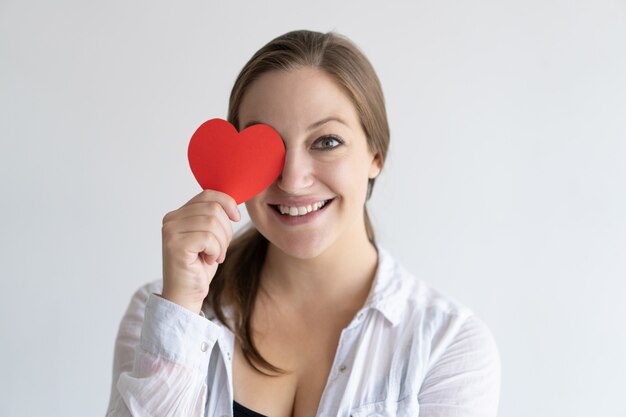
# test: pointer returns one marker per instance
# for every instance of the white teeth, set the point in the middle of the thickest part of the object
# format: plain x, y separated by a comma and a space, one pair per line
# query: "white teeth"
301, 210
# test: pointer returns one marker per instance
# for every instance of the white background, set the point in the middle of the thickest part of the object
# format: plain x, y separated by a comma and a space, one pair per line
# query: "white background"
505, 186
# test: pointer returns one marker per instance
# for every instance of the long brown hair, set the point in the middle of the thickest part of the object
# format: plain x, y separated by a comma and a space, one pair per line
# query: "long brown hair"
237, 280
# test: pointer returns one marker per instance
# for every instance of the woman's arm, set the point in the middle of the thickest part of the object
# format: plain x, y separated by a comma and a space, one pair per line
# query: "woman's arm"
161, 359
465, 380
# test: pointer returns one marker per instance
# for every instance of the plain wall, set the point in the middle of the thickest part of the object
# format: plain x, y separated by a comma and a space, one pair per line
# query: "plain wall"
504, 188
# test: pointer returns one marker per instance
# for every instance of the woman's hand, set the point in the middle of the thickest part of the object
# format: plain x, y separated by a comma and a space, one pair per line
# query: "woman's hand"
195, 240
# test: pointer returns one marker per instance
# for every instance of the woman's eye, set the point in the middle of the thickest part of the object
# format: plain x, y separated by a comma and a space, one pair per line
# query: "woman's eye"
327, 143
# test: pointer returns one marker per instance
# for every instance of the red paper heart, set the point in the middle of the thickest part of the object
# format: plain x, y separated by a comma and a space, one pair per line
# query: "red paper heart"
240, 164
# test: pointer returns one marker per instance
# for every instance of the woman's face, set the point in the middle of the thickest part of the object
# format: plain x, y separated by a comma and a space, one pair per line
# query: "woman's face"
317, 202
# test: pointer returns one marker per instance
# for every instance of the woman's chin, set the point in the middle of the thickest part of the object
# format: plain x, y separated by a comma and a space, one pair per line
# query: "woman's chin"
301, 249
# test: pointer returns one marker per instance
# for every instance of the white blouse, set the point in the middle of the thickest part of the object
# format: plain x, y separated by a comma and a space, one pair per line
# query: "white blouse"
408, 351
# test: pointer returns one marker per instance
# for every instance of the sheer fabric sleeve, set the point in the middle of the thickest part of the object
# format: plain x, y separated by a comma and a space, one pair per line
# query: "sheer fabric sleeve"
464, 380
161, 359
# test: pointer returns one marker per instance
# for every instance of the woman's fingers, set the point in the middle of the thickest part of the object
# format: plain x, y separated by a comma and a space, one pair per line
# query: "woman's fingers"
195, 238
207, 243
227, 202
218, 225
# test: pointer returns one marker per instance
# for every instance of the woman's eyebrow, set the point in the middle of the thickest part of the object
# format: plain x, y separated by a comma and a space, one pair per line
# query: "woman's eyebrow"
326, 120
311, 127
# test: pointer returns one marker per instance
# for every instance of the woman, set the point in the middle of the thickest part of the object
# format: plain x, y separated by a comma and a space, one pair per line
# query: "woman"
302, 314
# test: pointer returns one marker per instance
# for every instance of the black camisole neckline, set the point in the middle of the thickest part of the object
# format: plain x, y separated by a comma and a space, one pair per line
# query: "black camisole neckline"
241, 411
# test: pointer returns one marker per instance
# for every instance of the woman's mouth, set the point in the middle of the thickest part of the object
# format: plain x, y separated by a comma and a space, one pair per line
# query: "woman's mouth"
299, 211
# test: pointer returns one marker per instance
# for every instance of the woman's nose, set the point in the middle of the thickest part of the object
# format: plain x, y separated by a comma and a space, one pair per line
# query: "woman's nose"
296, 176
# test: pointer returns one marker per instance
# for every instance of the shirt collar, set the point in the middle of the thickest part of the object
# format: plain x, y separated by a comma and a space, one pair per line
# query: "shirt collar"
386, 294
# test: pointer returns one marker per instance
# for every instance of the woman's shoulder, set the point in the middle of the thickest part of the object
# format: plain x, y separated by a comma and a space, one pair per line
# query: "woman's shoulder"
431, 315
414, 295
416, 306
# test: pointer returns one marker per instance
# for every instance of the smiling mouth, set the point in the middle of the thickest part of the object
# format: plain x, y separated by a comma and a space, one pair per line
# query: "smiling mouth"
297, 211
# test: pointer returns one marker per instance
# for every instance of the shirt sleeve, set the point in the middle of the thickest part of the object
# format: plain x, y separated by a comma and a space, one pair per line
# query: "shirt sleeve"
161, 358
465, 380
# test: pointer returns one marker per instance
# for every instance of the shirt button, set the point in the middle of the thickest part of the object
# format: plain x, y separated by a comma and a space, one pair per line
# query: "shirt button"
228, 354
204, 346
343, 368
359, 316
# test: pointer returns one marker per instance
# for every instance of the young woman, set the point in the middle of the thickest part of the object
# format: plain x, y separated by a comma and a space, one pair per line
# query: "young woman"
303, 314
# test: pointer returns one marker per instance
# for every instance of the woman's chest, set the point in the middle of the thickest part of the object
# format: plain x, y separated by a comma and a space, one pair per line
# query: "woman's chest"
307, 360
358, 368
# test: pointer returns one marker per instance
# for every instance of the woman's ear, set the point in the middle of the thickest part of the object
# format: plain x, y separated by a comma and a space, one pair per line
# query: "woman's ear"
376, 166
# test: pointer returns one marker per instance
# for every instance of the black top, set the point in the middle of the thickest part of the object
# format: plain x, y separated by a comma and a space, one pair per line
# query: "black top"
241, 411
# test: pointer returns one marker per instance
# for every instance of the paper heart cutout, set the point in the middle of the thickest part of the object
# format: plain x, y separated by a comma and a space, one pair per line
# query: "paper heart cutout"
240, 164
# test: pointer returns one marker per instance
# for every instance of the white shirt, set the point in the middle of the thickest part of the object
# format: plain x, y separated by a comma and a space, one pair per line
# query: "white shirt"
408, 351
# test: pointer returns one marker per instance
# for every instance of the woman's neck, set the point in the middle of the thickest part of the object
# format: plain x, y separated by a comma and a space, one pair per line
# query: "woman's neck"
342, 272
